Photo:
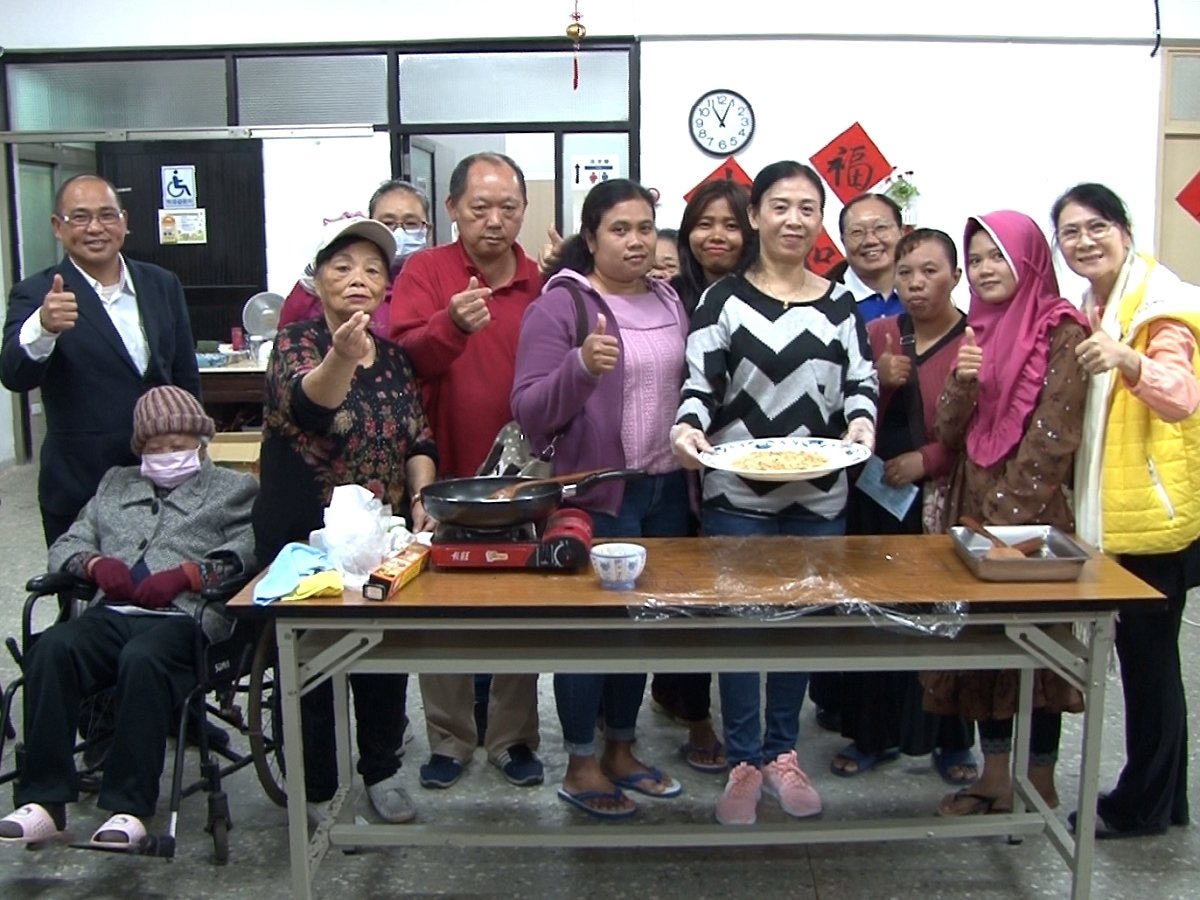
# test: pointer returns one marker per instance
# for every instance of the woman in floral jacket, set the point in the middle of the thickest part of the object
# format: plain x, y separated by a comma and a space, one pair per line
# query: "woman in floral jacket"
342, 407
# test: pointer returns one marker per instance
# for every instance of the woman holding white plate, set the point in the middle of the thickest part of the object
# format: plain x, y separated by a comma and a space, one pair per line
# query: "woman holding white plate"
775, 351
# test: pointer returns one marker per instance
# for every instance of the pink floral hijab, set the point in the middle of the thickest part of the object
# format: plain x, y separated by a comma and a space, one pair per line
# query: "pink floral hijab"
1014, 336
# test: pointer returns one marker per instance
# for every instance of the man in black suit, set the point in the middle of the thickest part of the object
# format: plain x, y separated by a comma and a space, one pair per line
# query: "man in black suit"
94, 333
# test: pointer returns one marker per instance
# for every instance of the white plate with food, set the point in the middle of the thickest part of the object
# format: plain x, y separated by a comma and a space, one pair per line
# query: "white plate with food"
785, 459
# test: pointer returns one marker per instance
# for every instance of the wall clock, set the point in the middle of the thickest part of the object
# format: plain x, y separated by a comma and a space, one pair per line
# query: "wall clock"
721, 122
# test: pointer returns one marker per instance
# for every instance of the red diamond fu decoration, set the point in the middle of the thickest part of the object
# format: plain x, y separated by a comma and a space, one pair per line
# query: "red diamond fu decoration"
1189, 197
729, 170
851, 163
824, 255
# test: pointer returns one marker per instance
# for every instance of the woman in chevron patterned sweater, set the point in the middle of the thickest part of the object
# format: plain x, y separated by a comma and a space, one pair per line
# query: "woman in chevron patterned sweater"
775, 351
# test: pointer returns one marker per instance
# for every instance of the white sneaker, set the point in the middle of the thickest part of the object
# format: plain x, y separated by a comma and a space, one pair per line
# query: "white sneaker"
391, 800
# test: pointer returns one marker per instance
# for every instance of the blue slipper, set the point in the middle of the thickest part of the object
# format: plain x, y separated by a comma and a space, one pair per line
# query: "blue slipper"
944, 761
583, 801
863, 762
671, 787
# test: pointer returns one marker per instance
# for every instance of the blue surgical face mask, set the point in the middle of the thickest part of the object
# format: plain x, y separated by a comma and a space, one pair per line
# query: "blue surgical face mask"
168, 470
409, 242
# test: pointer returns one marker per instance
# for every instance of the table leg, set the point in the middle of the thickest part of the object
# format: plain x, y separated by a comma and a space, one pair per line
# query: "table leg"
293, 754
1100, 647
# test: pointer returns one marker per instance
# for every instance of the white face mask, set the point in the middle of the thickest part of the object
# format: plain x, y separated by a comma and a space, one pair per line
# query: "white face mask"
409, 242
168, 470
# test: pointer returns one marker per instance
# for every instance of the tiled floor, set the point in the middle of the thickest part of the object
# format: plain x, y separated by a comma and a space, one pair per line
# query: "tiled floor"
1161, 868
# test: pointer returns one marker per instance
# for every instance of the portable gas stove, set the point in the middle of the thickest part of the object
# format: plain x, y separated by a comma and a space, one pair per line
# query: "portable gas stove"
561, 543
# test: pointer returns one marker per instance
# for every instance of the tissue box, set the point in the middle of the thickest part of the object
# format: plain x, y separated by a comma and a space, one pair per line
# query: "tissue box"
395, 572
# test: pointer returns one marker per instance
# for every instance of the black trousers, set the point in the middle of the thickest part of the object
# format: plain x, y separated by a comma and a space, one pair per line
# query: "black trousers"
379, 702
1152, 789
1045, 733
150, 661
882, 710
685, 695
55, 525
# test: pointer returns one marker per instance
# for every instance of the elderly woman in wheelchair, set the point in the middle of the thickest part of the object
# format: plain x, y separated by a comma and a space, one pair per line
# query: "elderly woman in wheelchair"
150, 541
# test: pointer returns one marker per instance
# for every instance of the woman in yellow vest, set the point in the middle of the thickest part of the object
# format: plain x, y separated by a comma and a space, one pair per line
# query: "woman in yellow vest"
1137, 486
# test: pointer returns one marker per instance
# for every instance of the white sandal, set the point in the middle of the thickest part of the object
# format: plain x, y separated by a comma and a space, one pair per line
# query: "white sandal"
36, 824
120, 832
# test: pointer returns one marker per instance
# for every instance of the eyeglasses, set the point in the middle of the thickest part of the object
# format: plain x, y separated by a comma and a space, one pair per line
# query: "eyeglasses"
408, 227
82, 218
858, 234
1096, 230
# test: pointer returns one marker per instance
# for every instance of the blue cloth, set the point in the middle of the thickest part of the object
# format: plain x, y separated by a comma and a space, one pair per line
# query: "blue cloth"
292, 563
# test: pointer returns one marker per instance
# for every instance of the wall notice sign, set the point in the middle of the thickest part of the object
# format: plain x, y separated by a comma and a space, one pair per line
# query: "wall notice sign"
179, 187
182, 226
586, 171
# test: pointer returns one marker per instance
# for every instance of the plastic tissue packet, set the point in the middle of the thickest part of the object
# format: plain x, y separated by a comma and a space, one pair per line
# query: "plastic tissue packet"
355, 535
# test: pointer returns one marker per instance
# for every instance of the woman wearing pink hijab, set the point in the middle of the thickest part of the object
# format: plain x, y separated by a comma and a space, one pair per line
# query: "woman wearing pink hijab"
1014, 407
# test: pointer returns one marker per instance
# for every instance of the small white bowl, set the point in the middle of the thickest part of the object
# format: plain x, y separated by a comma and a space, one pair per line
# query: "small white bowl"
618, 565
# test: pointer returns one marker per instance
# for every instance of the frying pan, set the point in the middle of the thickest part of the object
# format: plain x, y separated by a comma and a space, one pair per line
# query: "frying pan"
462, 501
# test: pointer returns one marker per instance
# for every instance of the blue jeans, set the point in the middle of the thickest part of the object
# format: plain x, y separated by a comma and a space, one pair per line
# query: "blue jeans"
654, 506
578, 700
740, 705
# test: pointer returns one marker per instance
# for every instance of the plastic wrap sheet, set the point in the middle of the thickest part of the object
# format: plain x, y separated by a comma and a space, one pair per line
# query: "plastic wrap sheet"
784, 588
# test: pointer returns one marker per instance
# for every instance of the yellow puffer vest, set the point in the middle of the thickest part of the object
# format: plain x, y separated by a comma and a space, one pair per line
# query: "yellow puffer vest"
1150, 495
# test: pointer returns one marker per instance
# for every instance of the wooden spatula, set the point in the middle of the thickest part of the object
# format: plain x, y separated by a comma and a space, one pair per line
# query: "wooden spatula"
510, 492
999, 549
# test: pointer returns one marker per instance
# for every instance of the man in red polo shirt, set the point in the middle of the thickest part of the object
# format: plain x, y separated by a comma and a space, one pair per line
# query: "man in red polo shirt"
457, 313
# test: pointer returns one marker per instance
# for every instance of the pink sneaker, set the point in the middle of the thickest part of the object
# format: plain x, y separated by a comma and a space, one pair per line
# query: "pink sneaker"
784, 780
739, 804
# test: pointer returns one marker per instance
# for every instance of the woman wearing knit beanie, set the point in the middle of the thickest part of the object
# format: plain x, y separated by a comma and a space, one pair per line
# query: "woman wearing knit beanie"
150, 539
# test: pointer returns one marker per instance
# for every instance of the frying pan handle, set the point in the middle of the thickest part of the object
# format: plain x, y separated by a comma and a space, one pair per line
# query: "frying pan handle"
590, 481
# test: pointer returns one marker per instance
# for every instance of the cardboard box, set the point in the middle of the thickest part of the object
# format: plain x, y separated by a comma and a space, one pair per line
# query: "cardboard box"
236, 450
395, 572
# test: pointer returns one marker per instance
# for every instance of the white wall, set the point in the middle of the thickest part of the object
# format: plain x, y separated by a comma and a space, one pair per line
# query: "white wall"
66, 24
307, 180
983, 126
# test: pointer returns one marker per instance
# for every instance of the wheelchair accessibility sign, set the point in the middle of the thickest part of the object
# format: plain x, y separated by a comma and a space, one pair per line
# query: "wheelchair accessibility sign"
179, 187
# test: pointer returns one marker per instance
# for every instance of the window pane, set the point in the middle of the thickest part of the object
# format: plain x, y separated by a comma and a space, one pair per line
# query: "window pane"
312, 90
134, 94
514, 87
588, 159
1185, 89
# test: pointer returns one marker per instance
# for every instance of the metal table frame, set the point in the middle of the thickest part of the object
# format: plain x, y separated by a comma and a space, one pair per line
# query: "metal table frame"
314, 648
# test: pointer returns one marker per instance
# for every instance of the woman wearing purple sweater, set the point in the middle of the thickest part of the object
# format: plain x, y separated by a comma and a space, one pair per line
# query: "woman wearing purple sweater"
608, 402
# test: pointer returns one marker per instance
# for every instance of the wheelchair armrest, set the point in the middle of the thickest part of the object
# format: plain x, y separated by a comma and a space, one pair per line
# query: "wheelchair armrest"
54, 582
223, 590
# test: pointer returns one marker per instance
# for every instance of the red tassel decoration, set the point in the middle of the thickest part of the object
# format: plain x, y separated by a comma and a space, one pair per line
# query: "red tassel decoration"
576, 32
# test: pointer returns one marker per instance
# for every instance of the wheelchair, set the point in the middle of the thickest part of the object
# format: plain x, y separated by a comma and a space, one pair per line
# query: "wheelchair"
238, 670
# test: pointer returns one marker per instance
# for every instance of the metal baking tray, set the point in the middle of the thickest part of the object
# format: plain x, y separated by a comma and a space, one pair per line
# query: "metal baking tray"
1059, 559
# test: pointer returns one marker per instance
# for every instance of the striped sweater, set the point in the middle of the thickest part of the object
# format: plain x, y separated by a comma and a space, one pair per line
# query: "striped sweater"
758, 369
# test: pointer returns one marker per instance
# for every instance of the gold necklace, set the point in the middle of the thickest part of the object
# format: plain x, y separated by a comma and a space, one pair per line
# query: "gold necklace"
767, 286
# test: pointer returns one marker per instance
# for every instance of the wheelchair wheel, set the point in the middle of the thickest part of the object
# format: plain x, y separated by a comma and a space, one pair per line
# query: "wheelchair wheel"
220, 839
264, 722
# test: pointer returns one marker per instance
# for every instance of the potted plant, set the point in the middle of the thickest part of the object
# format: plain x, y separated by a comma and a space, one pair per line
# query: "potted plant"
900, 188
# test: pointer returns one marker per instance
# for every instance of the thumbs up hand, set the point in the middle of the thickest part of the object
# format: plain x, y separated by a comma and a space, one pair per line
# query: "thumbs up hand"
1099, 353
894, 368
600, 350
59, 310
970, 358
549, 254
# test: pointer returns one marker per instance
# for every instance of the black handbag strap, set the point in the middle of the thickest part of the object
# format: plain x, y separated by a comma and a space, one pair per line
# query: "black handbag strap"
581, 333
916, 409
581, 317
